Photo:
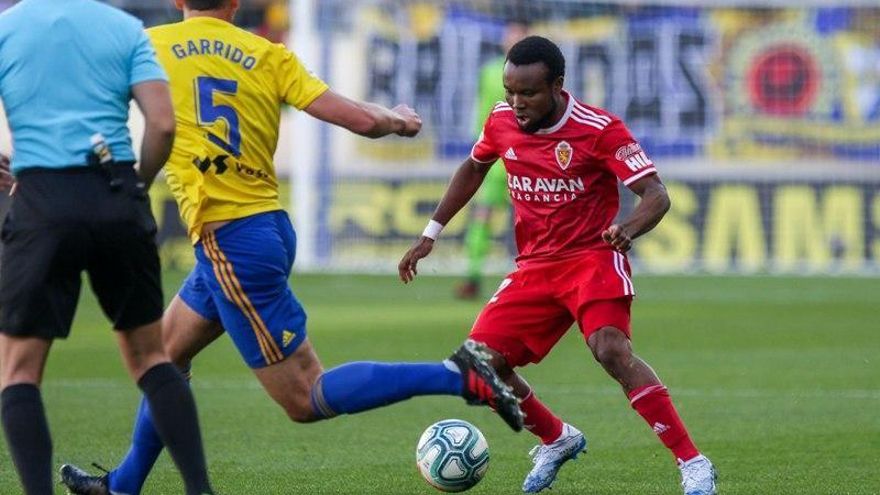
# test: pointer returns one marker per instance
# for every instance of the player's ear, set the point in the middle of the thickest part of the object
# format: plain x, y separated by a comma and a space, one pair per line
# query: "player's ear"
233, 4
558, 83
179, 4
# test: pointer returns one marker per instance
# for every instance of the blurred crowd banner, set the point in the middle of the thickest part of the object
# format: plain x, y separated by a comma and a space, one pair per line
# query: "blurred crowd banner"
715, 225
765, 121
712, 84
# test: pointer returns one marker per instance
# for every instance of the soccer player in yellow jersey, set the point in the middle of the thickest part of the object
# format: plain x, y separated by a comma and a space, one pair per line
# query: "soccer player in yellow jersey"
228, 86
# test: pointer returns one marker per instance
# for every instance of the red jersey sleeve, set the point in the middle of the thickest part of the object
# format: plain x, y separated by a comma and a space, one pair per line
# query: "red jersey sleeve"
620, 153
484, 150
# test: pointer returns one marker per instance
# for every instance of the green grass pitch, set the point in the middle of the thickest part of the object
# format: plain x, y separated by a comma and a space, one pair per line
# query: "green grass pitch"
777, 379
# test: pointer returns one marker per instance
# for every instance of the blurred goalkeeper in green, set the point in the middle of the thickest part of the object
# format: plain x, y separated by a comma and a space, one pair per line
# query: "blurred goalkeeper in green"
493, 194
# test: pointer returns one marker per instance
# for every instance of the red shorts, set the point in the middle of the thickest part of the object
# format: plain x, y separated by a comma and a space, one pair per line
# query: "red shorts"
537, 304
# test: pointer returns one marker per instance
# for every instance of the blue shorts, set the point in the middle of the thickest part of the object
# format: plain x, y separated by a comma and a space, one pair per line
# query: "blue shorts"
240, 280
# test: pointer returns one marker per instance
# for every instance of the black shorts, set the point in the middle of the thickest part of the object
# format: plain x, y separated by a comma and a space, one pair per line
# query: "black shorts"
62, 222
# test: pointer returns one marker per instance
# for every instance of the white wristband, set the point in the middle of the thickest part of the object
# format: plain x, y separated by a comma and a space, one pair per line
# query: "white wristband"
432, 231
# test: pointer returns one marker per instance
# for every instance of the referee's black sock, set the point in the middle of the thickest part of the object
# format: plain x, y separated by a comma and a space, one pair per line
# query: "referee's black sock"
27, 434
174, 415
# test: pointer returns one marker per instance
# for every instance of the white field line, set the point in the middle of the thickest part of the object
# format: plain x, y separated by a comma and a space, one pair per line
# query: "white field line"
586, 391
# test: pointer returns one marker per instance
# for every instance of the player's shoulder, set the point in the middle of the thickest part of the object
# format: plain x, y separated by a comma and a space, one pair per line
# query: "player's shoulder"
103, 13
501, 112
162, 31
594, 110
269, 55
218, 31
253, 41
500, 107
11, 16
591, 118
246, 40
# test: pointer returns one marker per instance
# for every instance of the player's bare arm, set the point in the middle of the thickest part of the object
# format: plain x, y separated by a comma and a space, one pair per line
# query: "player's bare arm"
647, 214
366, 119
461, 189
154, 100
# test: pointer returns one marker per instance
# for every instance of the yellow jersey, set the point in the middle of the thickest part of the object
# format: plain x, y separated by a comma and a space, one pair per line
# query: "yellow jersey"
228, 86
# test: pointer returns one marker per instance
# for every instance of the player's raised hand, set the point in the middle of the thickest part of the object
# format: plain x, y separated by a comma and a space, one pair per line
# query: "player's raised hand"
6, 179
407, 266
618, 238
413, 123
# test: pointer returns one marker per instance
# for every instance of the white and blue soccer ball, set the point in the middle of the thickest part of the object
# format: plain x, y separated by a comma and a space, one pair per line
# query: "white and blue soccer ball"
452, 455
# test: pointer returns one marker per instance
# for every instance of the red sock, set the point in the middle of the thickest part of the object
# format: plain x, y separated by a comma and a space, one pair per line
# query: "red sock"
652, 402
540, 420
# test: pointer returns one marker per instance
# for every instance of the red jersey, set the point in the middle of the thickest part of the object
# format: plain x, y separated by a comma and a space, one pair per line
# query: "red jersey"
563, 179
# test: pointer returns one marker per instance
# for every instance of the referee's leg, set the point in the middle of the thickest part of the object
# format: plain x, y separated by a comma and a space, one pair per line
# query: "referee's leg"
22, 360
171, 402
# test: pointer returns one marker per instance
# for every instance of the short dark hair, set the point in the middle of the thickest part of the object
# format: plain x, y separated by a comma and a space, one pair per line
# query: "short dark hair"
534, 49
204, 4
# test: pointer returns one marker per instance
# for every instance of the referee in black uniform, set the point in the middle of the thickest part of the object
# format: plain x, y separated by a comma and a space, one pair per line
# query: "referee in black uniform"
68, 70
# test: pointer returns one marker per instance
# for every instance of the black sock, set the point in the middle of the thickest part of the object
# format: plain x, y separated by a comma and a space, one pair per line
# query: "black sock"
27, 434
174, 414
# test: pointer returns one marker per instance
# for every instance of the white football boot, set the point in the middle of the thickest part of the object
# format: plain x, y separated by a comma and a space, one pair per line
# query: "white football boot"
698, 476
549, 458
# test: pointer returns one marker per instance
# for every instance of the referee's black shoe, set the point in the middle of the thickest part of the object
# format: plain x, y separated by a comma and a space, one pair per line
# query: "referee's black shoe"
79, 482
483, 386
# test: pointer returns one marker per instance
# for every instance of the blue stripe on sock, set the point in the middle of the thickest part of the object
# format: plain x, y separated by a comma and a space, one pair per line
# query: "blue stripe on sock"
319, 403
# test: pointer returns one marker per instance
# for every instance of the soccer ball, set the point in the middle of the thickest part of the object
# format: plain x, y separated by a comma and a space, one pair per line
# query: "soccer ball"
452, 455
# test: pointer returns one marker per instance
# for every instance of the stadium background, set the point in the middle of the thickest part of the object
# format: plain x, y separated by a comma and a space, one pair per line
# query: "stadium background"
765, 122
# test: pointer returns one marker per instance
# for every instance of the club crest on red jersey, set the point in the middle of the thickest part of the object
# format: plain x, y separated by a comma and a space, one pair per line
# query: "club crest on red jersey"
564, 152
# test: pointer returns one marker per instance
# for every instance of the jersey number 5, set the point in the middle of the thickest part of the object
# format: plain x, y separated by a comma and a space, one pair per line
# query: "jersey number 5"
208, 113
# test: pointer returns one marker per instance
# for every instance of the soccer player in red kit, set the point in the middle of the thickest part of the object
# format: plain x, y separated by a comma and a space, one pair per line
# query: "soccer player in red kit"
563, 160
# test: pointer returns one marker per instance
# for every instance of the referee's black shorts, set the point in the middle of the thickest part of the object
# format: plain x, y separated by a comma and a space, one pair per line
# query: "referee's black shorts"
62, 222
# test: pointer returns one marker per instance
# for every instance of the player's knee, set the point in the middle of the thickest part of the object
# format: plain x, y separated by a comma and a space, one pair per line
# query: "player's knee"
302, 417
20, 376
177, 357
609, 357
300, 412
183, 363
185, 368
297, 405
610, 347
139, 363
500, 364
502, 368
504, 372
